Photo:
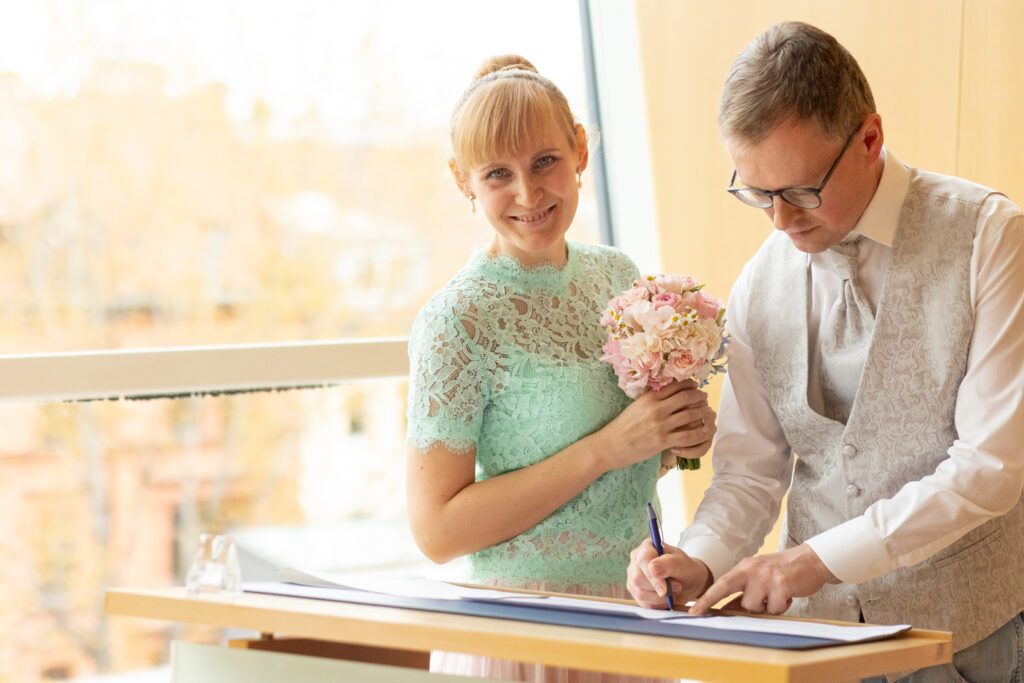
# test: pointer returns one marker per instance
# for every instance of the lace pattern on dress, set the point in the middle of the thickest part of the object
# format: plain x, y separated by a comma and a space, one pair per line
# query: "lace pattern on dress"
505, 362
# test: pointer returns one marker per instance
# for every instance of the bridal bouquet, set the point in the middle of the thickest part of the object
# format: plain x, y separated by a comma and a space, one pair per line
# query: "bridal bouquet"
662, 330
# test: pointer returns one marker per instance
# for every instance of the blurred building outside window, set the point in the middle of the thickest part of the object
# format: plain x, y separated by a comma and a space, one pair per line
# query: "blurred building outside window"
193, 173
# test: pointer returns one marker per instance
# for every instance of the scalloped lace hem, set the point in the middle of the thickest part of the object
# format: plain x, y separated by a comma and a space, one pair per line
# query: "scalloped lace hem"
458, 446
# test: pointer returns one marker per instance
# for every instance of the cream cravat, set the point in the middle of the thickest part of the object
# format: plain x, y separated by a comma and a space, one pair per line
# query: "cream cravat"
847, 336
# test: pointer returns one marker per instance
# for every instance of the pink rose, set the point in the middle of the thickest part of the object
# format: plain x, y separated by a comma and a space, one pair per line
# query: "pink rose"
670, 299
706, 306
659, 384
675, 283
656, 320
613, 356
632, 313
681, 365
612, 352
633, 383
640, 345
650, 363
628, 298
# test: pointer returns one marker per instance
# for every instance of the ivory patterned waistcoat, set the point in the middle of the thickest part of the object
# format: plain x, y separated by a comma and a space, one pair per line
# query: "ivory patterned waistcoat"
901, 423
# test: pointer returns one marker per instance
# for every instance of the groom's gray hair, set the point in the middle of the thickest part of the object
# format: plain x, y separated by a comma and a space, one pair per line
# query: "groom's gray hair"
793, 70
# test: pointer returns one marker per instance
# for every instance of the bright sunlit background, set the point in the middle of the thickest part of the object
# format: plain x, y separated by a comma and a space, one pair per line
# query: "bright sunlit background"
195, 172
180, 173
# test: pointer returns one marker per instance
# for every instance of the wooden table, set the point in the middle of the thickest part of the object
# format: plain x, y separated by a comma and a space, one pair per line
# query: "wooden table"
404, 637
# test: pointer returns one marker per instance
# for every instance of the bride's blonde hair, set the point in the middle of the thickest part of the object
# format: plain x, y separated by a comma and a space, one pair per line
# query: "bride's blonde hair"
507, 105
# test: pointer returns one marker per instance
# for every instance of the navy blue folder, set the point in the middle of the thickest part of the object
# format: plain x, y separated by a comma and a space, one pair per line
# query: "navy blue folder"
546, 615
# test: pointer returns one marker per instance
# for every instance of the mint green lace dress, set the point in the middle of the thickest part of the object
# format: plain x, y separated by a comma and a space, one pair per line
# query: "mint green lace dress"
505, 364
506, 360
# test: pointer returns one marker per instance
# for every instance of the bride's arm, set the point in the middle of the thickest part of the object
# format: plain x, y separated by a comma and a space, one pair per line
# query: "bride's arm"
451, 515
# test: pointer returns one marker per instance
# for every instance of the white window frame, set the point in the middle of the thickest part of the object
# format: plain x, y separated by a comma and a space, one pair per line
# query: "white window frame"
622, 104
624, 126
187, 370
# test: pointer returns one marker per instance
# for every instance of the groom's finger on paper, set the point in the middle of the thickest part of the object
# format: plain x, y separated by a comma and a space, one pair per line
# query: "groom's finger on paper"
734, 605
724, 587
778, 602
754, 599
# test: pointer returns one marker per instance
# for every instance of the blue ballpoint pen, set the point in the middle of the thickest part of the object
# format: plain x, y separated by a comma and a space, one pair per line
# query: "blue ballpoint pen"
652, 516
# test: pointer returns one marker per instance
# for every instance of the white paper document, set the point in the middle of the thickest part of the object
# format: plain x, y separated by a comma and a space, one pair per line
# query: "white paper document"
409, 587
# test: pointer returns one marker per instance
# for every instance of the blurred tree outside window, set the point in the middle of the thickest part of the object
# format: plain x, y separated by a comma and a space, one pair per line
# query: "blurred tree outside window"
208, 172
227, 171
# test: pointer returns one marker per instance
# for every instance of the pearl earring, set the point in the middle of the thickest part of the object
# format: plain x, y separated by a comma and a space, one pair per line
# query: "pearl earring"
472, 202
579, 179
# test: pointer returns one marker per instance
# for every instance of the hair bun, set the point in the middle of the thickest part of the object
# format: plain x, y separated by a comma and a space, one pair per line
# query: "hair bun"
503, 63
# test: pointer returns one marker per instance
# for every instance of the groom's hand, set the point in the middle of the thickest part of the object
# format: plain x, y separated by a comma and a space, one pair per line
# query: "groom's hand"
647, 572
769, 583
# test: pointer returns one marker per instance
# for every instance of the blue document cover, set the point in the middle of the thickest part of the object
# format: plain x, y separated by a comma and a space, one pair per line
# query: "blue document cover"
546, 615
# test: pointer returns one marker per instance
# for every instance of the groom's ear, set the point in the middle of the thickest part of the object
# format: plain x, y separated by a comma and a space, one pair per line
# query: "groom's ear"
873, 136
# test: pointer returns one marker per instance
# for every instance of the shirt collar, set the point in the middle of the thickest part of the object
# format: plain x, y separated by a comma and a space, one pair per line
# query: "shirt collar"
879, 220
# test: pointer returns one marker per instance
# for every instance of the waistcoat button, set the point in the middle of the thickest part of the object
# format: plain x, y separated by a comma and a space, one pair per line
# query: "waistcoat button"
852, 490
849, 451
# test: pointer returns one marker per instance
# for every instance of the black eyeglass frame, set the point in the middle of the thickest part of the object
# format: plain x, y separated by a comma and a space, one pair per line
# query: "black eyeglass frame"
772, 194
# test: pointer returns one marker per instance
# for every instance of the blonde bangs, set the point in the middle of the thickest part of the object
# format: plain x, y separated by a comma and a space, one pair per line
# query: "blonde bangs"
504, 117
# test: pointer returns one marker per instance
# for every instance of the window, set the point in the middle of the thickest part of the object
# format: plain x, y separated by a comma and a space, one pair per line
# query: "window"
219, 172
193, 173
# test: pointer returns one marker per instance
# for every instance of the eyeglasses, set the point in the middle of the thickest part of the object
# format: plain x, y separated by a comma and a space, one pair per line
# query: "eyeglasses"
801, 197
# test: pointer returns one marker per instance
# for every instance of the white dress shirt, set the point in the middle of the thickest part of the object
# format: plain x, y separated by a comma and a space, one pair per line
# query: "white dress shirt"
984, 474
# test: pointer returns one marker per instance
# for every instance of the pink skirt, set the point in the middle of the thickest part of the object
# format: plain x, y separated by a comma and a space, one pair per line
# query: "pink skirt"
510, 670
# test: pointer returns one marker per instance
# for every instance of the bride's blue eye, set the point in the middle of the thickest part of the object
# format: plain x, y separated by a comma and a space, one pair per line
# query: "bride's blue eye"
498, 174
545, 160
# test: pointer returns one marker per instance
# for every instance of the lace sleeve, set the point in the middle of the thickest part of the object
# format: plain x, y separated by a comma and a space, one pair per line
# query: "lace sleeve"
447, 382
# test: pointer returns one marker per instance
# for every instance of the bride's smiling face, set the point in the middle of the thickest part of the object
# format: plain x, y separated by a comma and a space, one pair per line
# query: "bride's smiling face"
530, 197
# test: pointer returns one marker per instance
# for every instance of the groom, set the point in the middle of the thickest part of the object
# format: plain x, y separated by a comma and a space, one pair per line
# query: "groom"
876, 373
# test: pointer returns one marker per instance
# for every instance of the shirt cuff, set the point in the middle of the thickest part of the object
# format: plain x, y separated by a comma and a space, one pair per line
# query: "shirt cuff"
711, 552
853, 551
